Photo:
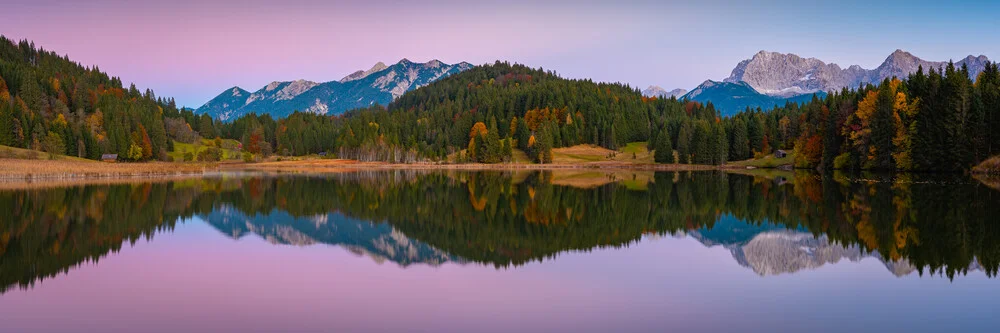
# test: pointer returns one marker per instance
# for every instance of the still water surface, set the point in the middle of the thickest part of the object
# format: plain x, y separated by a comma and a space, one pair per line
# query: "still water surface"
503, 252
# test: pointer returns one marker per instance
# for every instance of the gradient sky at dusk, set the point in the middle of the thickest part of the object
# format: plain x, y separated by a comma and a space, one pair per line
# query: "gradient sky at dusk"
193, 50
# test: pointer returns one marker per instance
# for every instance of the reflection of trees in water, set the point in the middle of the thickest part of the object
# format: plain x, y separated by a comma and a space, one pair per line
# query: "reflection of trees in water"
45, 232
503, 219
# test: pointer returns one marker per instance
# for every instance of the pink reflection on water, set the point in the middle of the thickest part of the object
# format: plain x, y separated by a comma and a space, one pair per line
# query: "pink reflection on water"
194, 279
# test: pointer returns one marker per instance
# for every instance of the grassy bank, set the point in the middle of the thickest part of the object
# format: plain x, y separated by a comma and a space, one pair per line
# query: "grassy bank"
988, 167
28, 165
768, 161
227, 146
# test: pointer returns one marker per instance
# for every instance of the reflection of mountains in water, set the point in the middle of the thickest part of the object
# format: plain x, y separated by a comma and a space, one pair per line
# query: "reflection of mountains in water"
379, 241
769, 249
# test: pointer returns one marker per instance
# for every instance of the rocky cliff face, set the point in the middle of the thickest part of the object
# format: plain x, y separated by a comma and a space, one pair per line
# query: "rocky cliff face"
380, 84
657, 91
779, 74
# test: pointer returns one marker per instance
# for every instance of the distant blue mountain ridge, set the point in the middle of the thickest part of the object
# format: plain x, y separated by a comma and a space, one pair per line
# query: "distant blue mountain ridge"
731, 98
379, 85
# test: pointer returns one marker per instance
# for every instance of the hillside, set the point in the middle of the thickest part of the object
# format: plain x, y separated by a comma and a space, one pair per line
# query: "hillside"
513, 101
731, 98
50, 103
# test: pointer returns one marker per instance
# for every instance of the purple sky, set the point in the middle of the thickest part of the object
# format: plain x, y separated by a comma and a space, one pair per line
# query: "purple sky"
193, 50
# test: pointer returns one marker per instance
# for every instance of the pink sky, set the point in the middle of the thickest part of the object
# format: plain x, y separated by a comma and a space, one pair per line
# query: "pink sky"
194, 49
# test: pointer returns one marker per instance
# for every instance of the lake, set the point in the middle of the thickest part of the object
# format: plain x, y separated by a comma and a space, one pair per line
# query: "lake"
540, 251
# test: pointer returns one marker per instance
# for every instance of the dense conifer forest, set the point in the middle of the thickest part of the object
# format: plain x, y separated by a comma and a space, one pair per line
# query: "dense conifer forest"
52, 104
933, 120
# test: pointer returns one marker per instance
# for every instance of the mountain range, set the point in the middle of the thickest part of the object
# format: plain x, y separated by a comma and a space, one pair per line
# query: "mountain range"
379, 241
776, 78
765, 80
657, 91
779, 74
732, 97
380, 84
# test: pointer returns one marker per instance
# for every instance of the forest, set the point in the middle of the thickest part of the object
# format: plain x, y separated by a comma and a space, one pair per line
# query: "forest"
933, 120
50, 103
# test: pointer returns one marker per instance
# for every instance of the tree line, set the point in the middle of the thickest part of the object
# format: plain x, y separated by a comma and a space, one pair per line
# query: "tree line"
933, 120
50, 103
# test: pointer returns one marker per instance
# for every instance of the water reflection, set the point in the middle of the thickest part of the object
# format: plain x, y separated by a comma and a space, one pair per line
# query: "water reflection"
772, 224
379, 241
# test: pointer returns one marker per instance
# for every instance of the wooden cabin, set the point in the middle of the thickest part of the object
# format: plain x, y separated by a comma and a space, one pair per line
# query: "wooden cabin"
780, 153
109, 158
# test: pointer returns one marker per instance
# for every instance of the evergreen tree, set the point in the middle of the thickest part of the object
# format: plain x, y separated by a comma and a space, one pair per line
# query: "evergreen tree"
882, 130
663, 150
740, 143
684, 137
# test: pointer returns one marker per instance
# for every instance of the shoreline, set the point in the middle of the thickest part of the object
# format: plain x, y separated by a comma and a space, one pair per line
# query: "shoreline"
337, 165
20, 173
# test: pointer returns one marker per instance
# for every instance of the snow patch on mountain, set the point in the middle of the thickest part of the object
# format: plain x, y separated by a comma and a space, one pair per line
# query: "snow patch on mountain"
318, 107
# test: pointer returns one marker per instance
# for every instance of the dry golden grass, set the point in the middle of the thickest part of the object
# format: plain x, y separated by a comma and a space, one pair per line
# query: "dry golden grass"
22, 167
597, 177
57, 183
989, 167
306, 166
988, 180
28, 154
19, 169
581, 154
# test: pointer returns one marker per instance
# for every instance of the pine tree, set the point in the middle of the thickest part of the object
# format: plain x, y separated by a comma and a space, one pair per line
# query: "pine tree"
739, 148
988, 87
755, 134
721, 153
882, 129
684, 143
663, 150
702, 143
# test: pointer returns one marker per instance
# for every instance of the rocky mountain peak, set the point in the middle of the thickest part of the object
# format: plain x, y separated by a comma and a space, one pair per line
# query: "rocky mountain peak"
237, 91
273, 85
657, 91
901, 59
380, 84
378, 67
785, 75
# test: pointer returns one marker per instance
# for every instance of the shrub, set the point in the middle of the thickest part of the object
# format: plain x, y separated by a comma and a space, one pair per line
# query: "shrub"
210, 155
842, 161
